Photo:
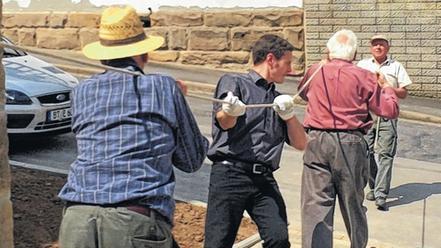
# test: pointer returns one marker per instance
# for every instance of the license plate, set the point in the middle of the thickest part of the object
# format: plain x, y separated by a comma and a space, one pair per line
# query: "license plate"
59, 114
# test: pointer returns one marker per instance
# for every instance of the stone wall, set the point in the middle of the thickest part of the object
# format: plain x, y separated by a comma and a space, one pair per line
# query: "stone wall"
214, 37
413, 27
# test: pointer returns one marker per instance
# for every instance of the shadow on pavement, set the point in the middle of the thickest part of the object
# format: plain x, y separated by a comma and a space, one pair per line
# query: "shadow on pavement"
411, 192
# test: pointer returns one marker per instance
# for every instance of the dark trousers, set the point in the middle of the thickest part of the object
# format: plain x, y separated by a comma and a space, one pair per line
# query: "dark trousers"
233, 190
335, 165
380, 174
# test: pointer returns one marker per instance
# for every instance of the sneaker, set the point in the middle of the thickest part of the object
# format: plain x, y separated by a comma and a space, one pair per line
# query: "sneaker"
381, 203
370, 196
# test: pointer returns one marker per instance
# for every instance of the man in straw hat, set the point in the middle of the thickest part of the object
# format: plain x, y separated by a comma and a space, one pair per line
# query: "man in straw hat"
335, 161
131, 130
382, 137
247, 145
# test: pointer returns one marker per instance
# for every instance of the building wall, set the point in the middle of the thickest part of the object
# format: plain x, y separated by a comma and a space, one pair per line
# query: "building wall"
413, 27
215, 37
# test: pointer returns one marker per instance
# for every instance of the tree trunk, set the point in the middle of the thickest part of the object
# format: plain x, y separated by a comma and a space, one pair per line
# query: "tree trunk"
6, 224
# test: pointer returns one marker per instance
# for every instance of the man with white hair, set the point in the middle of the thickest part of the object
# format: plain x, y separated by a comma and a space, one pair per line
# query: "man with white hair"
382, 137
336, 156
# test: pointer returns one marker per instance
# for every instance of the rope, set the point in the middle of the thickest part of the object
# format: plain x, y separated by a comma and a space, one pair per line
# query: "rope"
82, 62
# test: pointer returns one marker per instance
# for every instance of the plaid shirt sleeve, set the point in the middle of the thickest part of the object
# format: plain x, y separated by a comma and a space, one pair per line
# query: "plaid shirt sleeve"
191, 145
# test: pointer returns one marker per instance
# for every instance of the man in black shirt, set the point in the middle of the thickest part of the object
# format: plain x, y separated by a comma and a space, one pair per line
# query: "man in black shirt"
247, 145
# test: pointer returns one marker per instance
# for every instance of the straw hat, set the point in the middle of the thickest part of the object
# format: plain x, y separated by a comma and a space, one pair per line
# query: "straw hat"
121, 35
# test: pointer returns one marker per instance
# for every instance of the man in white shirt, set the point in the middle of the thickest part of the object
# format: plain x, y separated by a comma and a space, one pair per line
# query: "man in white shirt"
382, 137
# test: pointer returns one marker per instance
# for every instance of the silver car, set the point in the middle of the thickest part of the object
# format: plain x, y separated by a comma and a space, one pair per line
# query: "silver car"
37, 94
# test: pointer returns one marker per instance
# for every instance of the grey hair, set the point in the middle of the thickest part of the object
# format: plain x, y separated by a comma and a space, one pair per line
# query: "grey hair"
342, 45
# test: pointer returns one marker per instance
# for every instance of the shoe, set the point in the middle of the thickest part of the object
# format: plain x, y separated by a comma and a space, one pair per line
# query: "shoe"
381, 203
370, 196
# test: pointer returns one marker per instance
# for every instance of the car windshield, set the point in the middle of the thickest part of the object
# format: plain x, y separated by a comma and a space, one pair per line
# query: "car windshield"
8, 52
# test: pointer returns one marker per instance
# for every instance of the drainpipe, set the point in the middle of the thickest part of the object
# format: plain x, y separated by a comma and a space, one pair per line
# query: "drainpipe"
6, 224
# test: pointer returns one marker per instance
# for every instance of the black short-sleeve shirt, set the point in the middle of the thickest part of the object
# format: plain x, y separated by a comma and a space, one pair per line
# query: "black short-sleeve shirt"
259, 134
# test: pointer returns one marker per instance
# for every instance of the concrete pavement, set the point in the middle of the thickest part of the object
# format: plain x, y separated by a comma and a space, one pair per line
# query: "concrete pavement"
414, 216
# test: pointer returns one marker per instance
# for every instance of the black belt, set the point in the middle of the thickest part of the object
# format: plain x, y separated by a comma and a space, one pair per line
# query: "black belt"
253, 168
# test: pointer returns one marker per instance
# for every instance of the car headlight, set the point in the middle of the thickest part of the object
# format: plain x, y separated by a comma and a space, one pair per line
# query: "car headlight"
17, 97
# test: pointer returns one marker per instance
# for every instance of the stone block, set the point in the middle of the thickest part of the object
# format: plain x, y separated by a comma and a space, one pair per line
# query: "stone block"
298, 57
208, 39
184, 18
164, 56
296, 36
57, 19
390, 21
344, 14
80, 19
431, 72
424, 80
11, 34
429, 57
159, 31
430, 28
26, 37
177, 39
318, 14
214, 58
298, 62
319, 28
30, 19
278, 17
88, 35
51, 38
234, 57
244, 38
227, 18
418, 50
376, 28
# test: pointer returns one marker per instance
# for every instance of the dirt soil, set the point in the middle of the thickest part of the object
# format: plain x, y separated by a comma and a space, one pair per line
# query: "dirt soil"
37, 213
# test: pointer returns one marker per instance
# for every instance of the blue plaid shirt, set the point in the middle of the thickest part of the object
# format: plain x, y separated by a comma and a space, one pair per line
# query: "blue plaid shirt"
130, 131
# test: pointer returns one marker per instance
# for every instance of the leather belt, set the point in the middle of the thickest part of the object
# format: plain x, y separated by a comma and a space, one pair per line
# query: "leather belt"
257, 169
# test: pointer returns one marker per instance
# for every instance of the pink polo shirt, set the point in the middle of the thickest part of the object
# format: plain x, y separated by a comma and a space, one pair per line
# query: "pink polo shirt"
341, 95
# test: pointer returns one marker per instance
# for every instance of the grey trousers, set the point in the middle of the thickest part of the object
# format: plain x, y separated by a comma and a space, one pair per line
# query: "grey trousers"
335, 165
86, 226
380, 175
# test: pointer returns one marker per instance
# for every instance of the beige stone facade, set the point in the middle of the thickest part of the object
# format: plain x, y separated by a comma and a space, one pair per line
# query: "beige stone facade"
413, 27
220, 38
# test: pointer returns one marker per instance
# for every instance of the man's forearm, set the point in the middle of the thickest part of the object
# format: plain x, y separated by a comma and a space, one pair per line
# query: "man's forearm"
401, 92
296, 134
225, 121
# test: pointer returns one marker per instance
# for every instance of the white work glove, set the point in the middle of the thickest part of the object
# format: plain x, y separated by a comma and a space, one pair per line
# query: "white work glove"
235, 107
284, 106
